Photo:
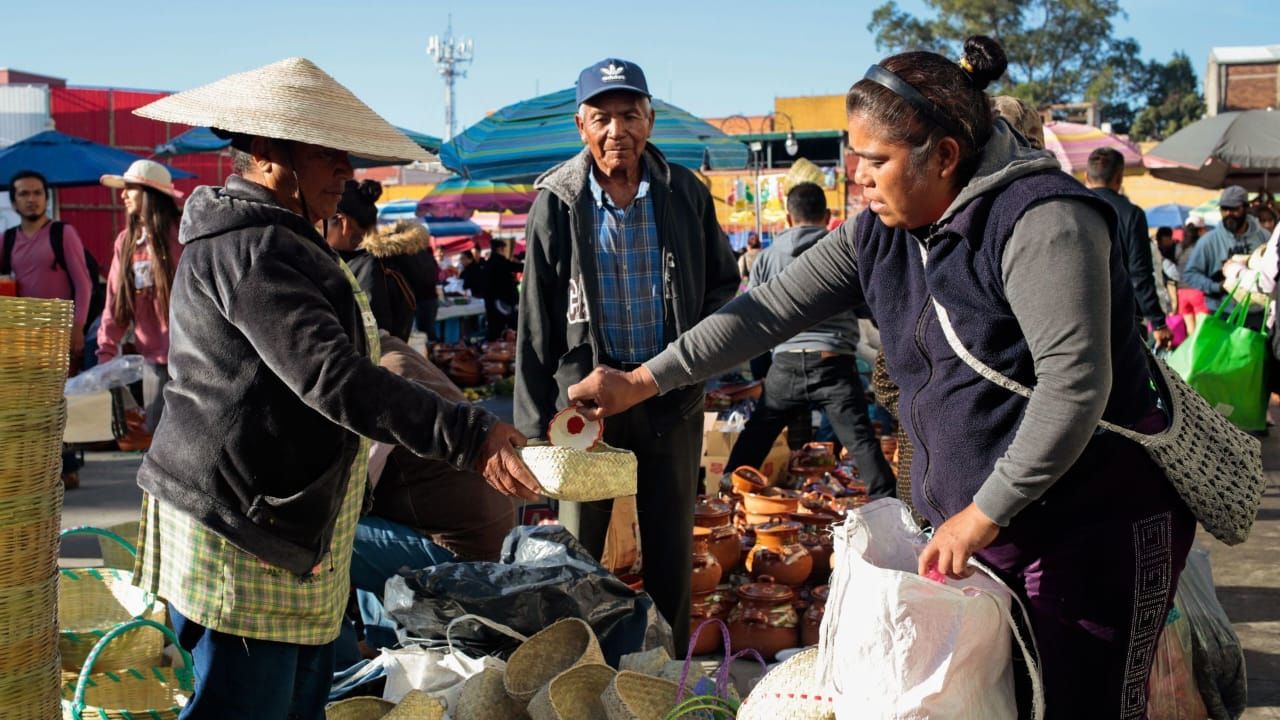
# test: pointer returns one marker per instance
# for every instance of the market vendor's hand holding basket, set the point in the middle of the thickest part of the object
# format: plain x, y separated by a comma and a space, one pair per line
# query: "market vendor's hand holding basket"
92, 602
566, 473
158, 693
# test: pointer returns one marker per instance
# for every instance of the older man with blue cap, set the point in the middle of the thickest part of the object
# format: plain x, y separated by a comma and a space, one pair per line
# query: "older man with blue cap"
624, 254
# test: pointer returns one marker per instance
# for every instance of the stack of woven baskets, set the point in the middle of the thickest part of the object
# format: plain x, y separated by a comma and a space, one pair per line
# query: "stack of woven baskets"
33, 368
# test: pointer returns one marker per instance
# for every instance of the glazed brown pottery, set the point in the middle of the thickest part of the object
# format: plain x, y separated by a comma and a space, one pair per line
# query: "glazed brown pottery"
816, 538
717, 516
464, 369
889, 447
748, 480
811, 623
764, 618
706, 571
715, 603
770, 501
779, 554
814, 458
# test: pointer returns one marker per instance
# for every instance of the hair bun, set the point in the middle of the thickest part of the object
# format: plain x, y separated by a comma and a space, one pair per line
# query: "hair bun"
370, 191
986, 60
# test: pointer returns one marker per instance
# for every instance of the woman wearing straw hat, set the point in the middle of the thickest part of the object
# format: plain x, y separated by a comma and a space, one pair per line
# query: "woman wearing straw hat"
141, 275
257, 473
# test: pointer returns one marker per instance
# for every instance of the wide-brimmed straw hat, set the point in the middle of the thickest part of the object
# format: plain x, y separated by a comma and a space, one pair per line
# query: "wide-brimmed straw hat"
289, 100
144, 172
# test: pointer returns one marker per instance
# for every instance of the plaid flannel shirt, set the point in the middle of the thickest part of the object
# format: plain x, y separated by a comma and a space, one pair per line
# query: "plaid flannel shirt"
224, 588
628, 275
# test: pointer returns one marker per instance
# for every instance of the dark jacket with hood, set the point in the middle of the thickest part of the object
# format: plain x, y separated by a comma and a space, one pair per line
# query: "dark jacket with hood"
272, 382
1135, 243
838, 333
558, 341
394, 264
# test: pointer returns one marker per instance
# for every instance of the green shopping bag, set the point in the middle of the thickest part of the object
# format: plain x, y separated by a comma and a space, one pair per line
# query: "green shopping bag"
1226, 363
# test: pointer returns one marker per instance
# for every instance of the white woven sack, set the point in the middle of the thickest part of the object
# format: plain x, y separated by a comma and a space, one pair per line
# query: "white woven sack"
565, 473
897, 646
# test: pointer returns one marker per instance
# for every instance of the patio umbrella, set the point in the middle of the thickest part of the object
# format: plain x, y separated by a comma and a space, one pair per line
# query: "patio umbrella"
1071, 143
1232, 148
521, 141
1169, 215
461, 197
202, 139
66, 160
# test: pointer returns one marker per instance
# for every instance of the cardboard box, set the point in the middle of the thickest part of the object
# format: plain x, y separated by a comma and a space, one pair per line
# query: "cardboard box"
717, 444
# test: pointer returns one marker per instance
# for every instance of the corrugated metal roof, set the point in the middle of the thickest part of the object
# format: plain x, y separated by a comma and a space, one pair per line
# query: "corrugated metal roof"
24, 111
1245, 54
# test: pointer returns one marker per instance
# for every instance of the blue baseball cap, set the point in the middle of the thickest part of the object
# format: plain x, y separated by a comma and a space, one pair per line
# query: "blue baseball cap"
608, 75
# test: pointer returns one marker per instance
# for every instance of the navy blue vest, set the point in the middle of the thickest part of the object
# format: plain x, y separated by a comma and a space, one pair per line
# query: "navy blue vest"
959, 422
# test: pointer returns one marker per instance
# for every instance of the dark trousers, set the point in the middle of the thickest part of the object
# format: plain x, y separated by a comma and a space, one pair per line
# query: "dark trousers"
667, 488
425, 317
242, 679
798, 381
1097, 561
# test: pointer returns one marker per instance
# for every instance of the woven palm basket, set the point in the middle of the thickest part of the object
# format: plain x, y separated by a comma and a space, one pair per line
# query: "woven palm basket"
358, 708
556, 648
484, 698
635, 696
155, 693
575, 694
34, 338
567, 473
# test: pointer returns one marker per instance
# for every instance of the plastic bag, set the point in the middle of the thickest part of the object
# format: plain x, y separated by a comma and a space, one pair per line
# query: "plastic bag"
544, 575
1225, 362
1217, 657
118, 372
1171, 688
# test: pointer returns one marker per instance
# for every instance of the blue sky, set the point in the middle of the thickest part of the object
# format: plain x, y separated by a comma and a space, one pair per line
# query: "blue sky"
712, 58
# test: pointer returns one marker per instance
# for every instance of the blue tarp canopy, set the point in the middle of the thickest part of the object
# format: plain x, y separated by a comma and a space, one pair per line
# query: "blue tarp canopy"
521, 141
66, 160
438, 226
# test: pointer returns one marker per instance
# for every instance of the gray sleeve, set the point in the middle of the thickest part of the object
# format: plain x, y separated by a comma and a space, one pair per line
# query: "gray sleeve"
1056, 270
820, 283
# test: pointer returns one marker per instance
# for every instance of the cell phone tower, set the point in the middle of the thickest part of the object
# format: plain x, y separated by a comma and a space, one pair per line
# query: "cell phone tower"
449, 54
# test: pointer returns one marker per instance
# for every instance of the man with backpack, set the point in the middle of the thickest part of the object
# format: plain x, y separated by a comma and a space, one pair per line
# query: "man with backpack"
47, 260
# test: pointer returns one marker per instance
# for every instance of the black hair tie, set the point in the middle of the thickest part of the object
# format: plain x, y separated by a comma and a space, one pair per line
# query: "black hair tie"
904, 90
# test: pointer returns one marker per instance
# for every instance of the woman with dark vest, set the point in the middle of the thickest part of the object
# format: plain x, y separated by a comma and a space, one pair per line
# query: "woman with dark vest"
972, 233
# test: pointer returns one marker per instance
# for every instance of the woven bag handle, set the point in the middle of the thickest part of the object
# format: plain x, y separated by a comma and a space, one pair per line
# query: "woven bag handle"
185, 676
100, 532
722, 675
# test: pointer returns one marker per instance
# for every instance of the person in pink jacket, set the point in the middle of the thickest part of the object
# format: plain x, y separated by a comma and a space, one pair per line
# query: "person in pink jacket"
142, 267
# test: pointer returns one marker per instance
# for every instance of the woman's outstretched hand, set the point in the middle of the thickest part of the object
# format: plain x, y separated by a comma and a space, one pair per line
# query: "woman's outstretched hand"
607, 391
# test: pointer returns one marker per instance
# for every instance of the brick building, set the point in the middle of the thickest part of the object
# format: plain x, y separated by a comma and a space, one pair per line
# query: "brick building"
1242, 78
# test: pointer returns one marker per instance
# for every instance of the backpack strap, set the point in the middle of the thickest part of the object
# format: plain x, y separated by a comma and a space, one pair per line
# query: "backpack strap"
10, 238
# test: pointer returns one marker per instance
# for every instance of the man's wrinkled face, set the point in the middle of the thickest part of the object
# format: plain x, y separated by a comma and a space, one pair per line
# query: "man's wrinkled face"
30, 199
615, 127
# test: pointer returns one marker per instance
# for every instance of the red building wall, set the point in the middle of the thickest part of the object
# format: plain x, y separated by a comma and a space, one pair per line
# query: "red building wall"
105, 115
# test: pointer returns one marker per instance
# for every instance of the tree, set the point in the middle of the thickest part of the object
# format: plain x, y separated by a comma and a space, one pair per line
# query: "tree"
1059, 50
1173, 100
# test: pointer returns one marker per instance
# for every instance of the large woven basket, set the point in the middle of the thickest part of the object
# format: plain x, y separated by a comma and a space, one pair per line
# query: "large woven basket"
636, 696
563, 644
575, 694
358, 708
790, 691
155, 693
34, 338
93, 602
565, 473
484, 698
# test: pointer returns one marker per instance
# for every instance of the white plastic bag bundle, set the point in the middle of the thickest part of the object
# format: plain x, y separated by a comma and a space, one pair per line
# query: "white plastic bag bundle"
897, 646
117, 372
439, 673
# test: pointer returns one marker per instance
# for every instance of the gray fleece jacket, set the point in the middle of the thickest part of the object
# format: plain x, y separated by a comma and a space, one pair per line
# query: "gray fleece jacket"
1055, 269
838, 333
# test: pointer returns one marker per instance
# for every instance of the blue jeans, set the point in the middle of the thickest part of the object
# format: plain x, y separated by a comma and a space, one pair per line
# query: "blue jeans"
238, 677
383, 548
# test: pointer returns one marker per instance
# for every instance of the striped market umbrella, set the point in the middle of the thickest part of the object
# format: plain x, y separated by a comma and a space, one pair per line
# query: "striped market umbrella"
460, 197
1071, 143
521, 141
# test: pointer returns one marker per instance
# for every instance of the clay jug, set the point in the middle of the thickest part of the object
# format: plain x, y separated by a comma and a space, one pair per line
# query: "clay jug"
764, 618
717, 516
779, 554
706, 571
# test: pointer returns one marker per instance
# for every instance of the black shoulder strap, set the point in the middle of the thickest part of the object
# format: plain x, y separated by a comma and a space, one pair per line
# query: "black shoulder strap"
55, 242
10, 238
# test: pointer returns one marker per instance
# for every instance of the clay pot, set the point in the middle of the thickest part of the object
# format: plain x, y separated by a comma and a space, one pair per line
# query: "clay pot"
889, 447
764, 618
464, 369
779, 554
814, 458
748, 480
770, 501
498, 354
816, 538
491, 367
717, 516
715, 603
706, 571
811, 622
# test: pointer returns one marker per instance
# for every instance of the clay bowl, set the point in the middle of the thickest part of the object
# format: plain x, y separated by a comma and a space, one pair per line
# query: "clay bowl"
770, 501
748, 480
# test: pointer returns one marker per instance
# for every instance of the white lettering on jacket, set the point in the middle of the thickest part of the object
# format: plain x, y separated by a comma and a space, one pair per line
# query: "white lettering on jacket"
578, 312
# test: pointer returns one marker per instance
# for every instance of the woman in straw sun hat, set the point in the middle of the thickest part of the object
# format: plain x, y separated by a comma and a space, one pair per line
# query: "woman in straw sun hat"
256, 475
141, 275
